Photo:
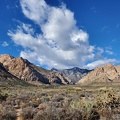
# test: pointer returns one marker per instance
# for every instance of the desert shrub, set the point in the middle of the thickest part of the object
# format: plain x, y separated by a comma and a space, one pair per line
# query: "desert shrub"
3, 97
8, 114
58, 97
66, 102
107, 102
42, 116
58, 114
28, 112
94, 115
45, 99
33, 104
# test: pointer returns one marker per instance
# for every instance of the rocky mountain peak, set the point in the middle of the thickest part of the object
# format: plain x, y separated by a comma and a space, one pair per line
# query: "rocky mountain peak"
54, 69
74, 74
5, 57
105, 73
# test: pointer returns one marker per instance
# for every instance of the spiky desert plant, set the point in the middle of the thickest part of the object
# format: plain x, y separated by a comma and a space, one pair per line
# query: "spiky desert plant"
85, 106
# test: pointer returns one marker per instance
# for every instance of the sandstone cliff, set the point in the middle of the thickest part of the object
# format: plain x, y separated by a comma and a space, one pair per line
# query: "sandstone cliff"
27, 71
107, 73
7, 79
4, 74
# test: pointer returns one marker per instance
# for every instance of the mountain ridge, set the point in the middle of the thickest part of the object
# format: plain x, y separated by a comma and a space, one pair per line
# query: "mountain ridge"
24, 70
106, 73
7, 79
74, 74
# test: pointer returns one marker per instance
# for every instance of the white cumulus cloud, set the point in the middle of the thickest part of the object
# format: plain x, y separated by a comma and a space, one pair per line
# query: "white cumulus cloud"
61, 44
101, 62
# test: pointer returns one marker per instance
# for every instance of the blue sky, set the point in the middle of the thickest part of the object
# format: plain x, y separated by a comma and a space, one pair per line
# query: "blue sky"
61, 33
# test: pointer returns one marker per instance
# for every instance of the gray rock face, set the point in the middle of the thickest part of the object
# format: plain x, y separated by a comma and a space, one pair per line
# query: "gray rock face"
74, 74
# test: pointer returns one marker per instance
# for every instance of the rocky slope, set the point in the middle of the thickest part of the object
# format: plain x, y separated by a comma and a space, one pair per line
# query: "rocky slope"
74, 74
7, 79
107, 73
27, 71
4, 74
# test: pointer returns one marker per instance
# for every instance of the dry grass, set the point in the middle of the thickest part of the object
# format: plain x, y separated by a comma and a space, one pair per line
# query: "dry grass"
60, 103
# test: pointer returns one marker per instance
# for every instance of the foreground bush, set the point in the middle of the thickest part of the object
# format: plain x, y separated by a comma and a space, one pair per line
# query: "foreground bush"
8, 114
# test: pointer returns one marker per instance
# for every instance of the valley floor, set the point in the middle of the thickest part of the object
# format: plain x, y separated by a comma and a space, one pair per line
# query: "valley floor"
74, 102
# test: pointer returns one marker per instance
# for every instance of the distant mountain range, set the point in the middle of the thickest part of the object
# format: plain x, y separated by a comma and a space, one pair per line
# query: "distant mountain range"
20, 71
74, 74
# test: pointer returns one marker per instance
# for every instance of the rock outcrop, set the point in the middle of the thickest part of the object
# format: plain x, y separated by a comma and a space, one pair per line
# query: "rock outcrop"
24, 70
7, 79
4, 74
74, 74
107, 73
